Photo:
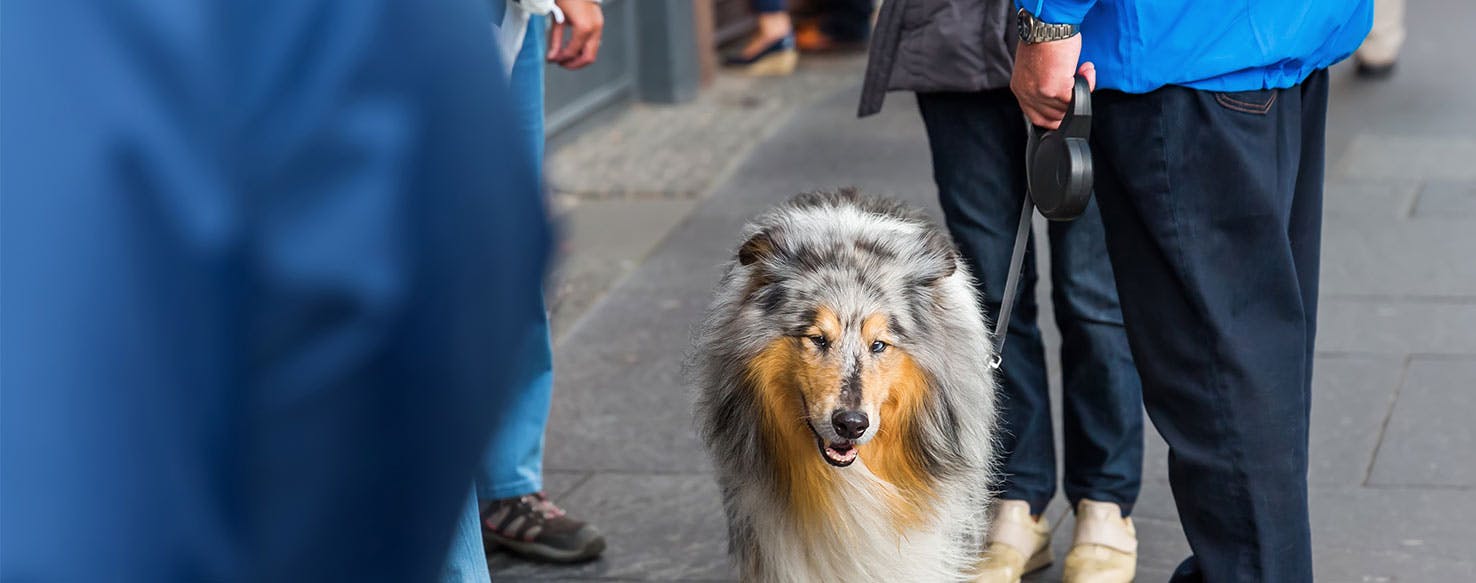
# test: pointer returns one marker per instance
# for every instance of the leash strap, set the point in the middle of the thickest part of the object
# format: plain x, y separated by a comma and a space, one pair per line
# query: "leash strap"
1012, 282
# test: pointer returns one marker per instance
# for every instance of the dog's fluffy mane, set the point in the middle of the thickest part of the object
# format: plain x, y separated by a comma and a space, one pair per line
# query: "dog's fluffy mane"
827, 247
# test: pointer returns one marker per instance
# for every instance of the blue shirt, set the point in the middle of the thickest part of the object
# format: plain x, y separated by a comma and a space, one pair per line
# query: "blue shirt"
1141, 45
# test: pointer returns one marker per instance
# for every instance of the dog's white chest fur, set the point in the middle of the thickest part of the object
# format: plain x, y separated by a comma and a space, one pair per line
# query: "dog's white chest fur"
863, 544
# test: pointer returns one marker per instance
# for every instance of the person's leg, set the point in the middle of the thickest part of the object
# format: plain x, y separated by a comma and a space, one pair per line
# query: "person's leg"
1380, 49
513, 464
978, 147
1212, 212
1101, 405
526, 84
1305, 225
467, 561
1101, 396
516, 515
770, 50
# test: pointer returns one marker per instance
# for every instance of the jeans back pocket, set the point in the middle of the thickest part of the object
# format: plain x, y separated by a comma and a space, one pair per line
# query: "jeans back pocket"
1256, 102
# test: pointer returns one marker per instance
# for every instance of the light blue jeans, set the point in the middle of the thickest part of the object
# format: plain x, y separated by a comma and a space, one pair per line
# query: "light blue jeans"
513, 462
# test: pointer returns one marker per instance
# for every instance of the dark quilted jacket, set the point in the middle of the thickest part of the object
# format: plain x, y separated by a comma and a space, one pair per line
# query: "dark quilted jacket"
939, 45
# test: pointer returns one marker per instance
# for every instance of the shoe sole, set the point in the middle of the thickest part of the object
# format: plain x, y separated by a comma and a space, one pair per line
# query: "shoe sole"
777, 64
544, 553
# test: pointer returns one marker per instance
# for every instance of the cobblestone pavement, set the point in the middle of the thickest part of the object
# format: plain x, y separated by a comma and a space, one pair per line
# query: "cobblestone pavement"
1393, 476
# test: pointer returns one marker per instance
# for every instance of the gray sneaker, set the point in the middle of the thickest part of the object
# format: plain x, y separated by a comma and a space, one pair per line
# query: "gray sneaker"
534, 528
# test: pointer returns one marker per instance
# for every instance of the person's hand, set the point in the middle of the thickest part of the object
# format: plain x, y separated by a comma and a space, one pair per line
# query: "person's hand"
585, 23
1044, 77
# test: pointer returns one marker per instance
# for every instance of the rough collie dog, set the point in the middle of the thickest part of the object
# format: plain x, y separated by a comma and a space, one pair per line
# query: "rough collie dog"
845, 396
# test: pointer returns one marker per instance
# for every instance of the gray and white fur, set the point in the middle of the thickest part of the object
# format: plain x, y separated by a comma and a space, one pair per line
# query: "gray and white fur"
856, 254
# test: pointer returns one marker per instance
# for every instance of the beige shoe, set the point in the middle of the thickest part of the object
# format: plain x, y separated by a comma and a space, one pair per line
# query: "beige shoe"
1018, 544
1105, 549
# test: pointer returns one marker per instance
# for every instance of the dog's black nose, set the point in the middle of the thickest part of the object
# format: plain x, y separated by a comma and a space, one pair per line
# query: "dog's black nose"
850, 424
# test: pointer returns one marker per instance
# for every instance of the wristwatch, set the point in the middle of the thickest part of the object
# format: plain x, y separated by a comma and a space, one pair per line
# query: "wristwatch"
1033, 30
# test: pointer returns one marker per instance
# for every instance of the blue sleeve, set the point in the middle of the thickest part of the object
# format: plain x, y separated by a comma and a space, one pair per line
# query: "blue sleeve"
259, 260
1058, 11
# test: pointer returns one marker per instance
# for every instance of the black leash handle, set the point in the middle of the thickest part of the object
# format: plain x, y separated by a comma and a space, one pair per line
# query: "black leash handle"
1058, 172
1058, 164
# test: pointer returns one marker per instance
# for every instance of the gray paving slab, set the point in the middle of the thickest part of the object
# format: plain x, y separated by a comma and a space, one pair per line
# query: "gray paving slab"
1447, 200
1430, 439
1156, 500
1396, 326
1427, 93
1424, 522
1389, 199
1401, 258
621, 404
1362, 566
1409, 157
658, 528
560, 483
1350, 399
602, 241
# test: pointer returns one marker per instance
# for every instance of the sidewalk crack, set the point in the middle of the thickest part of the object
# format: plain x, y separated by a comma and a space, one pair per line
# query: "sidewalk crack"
1388, 415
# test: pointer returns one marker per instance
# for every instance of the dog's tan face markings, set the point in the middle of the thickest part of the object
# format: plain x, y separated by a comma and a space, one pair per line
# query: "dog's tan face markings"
892, 390
846, 364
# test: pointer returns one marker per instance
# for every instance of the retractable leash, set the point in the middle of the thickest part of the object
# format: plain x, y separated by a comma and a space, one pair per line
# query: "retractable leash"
1058, 178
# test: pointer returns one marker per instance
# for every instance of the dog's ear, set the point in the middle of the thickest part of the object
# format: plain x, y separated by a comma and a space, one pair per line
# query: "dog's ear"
755, 248
942, 257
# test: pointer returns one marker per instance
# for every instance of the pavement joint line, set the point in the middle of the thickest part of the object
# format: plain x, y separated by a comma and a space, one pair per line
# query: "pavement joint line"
1420, 356
1436, 356
588, 475
1397, 487
1412, 200
1350, 354
1440, 299
1373, 459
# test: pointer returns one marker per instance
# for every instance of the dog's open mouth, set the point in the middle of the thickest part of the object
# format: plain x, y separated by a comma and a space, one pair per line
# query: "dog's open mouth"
839, 455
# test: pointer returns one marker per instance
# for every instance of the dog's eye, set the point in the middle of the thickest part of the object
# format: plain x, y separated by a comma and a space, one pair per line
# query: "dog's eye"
820, 341
878, 346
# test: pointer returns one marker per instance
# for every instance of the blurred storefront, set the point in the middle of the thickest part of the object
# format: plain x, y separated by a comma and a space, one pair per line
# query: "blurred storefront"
650, 53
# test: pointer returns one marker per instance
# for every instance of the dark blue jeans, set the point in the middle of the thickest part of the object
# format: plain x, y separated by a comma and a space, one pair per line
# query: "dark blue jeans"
1213, 208
978, 145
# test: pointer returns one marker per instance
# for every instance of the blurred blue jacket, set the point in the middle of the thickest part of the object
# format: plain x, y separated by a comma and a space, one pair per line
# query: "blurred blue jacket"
258, 262
1141, 45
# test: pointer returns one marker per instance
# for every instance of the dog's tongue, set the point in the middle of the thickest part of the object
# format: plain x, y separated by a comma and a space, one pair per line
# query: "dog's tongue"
840, 453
